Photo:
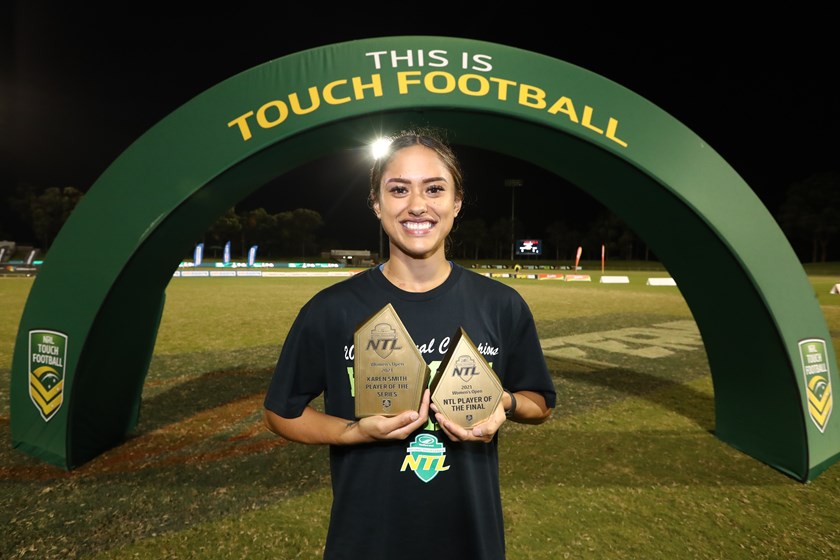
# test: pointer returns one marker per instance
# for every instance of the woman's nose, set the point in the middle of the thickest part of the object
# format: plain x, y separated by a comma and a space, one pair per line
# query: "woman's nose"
417, 204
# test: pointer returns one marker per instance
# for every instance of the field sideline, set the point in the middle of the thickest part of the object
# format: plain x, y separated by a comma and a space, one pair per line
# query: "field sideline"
628, 466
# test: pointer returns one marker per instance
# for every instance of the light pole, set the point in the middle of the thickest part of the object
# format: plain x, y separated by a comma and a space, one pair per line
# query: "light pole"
513, 183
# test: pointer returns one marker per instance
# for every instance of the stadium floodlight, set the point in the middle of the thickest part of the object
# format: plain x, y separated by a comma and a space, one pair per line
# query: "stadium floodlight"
380, 147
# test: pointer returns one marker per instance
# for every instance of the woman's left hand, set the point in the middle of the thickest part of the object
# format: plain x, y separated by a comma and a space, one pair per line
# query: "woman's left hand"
483, 431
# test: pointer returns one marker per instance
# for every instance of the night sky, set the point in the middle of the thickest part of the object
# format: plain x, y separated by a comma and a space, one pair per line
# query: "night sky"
79, 85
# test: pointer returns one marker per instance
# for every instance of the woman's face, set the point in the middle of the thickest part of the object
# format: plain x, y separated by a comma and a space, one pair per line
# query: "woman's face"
417, 203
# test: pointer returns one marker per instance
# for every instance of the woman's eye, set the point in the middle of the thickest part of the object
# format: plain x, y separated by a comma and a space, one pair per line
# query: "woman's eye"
435, 189
398, 190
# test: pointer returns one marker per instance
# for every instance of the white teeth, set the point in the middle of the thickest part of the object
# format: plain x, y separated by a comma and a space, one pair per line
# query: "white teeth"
417, 225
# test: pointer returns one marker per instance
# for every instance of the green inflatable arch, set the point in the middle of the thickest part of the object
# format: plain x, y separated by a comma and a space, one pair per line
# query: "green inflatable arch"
88, 329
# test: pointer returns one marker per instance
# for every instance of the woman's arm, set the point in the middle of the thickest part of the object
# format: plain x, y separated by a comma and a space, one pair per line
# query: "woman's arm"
315, 427
530, 407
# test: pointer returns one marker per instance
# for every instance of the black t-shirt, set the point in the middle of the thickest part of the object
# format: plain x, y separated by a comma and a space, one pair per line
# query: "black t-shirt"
424, 496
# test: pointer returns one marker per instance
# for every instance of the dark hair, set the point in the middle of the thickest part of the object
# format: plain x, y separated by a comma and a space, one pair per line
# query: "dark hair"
427, 137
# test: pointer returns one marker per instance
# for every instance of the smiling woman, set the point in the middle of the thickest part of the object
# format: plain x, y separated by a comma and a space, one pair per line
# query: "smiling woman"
416, 192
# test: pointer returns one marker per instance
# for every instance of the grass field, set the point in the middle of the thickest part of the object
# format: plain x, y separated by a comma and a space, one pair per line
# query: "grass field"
628, 466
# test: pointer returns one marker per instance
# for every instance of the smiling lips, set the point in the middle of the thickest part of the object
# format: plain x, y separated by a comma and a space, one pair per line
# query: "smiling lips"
418, 227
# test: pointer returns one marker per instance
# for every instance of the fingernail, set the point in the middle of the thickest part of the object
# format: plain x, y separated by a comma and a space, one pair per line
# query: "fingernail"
414, 416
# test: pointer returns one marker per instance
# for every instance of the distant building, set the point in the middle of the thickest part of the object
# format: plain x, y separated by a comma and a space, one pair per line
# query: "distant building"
7, 249
351, 257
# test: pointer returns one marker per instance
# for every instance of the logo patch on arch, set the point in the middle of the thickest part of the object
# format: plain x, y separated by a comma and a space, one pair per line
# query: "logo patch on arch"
47, 356
425, 457
817, 380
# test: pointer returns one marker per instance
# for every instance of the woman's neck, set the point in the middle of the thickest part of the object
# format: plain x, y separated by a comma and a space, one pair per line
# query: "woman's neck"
416, 275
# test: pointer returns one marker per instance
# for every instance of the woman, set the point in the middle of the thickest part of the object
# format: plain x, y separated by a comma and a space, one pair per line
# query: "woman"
385, 506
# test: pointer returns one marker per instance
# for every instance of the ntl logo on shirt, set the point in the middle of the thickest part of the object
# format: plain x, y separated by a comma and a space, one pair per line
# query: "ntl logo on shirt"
425, 457
47, 355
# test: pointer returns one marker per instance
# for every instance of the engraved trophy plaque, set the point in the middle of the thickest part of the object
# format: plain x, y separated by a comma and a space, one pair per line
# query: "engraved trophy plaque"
390, 373
466, 389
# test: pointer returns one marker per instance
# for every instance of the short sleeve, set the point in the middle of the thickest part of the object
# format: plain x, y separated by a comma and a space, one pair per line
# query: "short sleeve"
300, 374
528, 369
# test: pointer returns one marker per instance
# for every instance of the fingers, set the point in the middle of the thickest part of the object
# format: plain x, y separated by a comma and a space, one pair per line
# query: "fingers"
484, 431
425, 404
404, 424
397, 427
452, 430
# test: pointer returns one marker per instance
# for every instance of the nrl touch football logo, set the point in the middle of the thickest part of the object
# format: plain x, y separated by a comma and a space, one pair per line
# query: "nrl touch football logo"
814, 358
47, 357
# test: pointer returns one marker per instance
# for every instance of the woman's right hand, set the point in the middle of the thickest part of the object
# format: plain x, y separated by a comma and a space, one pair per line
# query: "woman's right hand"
395, 427
315, 427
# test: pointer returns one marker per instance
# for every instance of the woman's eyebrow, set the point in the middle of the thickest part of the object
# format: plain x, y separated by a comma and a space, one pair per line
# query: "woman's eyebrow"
425, 180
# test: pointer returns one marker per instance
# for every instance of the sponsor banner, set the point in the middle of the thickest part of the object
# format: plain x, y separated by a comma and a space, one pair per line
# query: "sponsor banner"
176, 274
226, 256
661, 282
275, 273
615, 279
236, 264
578, 278
186, 273
222, 273
47, 364
313, 265
814, 358
17, 269
551, 276
249, 273
198, 255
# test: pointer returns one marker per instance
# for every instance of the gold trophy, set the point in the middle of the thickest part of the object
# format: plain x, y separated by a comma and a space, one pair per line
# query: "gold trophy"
465, 389
390, 373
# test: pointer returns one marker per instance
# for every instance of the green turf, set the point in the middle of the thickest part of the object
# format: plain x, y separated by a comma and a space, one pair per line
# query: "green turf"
628, 466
